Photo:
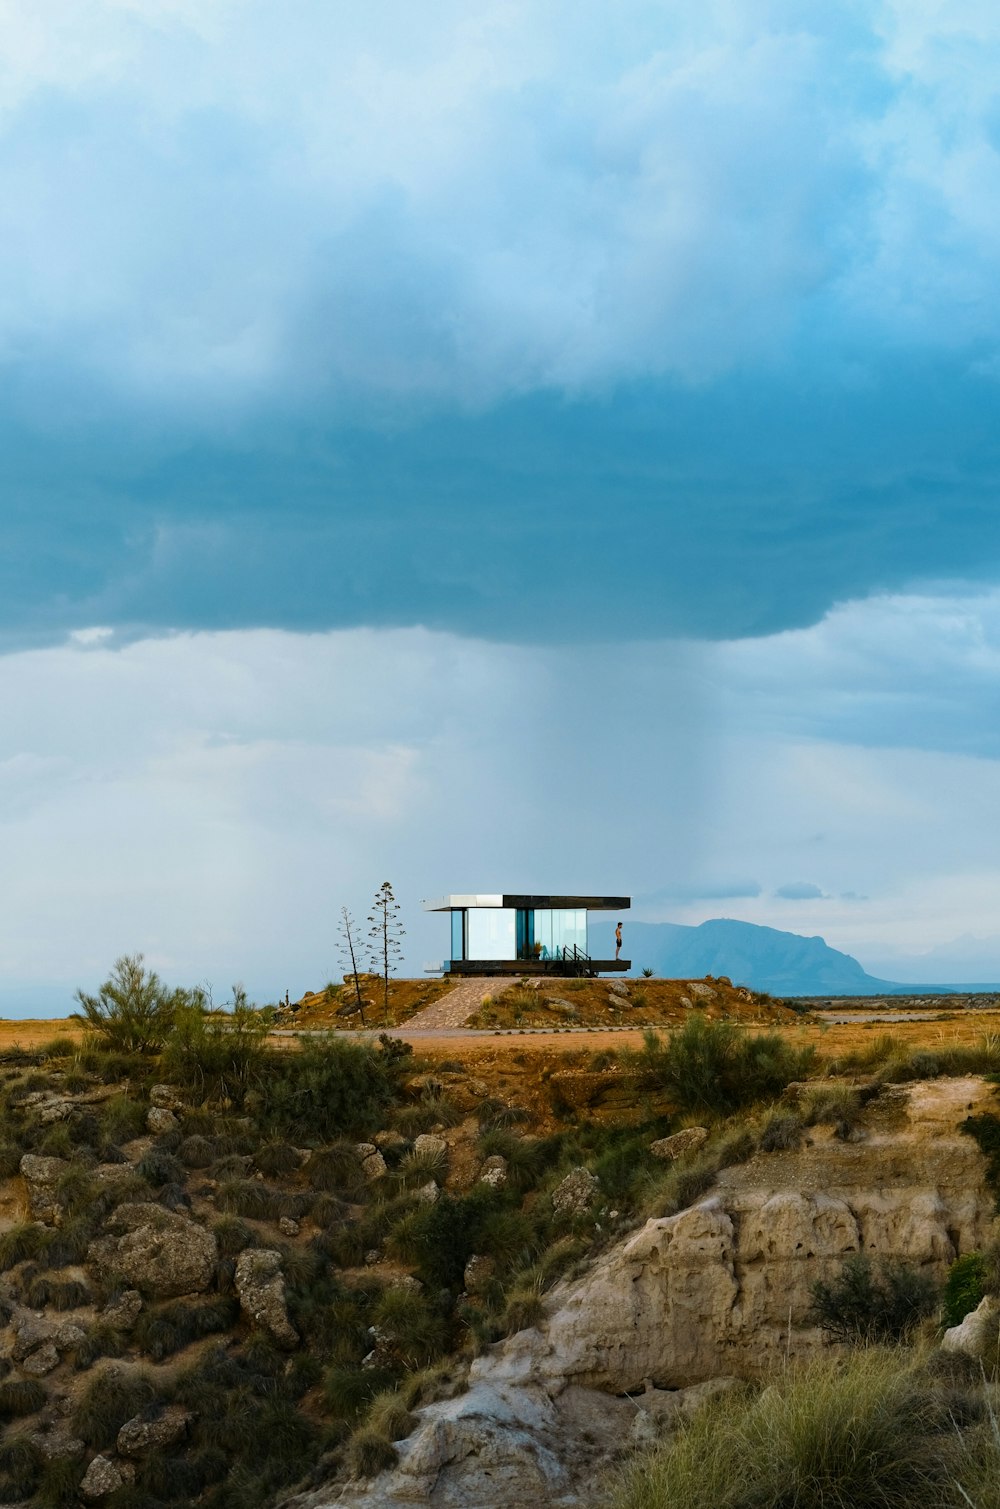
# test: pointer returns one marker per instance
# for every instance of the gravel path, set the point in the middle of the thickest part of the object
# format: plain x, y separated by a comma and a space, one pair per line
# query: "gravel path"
455, 1009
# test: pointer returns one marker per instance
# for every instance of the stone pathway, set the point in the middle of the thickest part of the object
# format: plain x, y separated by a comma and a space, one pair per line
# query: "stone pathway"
455, 1009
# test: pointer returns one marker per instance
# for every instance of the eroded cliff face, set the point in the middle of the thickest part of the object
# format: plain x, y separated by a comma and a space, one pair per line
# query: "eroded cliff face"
719, 1290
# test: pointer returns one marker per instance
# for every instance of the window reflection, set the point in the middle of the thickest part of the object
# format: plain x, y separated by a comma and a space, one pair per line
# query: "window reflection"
490, 933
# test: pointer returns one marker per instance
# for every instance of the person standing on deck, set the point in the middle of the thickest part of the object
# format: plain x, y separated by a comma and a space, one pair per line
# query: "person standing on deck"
618, 940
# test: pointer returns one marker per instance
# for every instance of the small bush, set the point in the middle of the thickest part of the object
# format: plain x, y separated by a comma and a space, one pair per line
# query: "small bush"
871, 1433
158, 1168
112, 1398
964, 1287
838, 1106
330, 1087
864, 1304
389, 1415
369, 1453
169, 1327
22, 1242
781, 1133
259, 1202
47, 1292
101, 1340
123, 1119
233, 1235
219, 1054
336, 1169
348, 1389
20, 1396
20, 1467
196, 1151
132, 1011
276, 1158
411, 1325
714, 1066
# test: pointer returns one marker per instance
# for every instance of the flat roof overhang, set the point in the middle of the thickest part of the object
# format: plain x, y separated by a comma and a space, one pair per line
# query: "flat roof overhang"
531, 903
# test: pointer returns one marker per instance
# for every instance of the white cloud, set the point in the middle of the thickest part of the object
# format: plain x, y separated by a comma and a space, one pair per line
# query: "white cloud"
466, 202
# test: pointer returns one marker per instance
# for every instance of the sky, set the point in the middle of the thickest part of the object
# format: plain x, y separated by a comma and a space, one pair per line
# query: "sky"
494, 446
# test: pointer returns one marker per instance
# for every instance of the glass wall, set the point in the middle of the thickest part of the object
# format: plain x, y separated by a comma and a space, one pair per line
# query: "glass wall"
458, 935
490, 933
548, 933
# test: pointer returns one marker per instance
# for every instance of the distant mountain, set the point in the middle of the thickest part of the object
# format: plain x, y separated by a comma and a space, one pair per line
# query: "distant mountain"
761, 957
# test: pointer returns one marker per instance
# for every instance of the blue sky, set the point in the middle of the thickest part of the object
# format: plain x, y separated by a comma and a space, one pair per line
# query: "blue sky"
496, 446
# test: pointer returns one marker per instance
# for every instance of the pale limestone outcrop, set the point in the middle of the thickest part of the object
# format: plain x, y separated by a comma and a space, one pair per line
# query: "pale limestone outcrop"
978, 1332
721, 1289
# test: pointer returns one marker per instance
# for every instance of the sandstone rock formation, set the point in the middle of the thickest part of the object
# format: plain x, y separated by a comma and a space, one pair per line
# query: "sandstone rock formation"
721, 1289
687, 1141
261, 1289
576, 1193
161, 1253
41, 1175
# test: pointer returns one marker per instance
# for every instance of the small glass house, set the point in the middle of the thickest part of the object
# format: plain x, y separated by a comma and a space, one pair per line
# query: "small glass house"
500, 934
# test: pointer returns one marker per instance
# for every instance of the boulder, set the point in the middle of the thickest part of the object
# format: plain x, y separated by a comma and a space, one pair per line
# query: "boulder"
429, 1193
978, 1333
160, 1120
150, 1432
41, 1361
618, 987
373, 1165
577, 1192
69, 1336
687, 1141
57, 1444
494, 1171
31, 1331
260, 1285
161, 1253
288, 1227
123, 1312
101, 1478
427, 1145
41, 1175
389, 1141
165, 1098
703, 993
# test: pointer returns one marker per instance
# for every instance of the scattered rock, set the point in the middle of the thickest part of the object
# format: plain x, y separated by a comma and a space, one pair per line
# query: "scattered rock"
57, 1445
977, 1332
261, 1289
372, 1256
30, 1332
704, 993
619, 987
686, 1002
151, 1432
41, 1176
160, 1252
101, 1478
407, 1282
390, 1141
165, 1098
69, 1336
479, 1270
373, 1165
687, 1141
288, 1227
494, 1171
112, 1173
428, 1193
429, 1146
41, 1361
123, 1312
576, 1193
160, 1120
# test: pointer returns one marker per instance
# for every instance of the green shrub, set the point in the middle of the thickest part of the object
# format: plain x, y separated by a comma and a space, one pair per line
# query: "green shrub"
369, 1453
868, 1433
123, 1118
389, 1415
19, 1243
348, 1390
259, 1202
276, 1158
233, 1235
865, 1304
714, 1066
10, 1159
964, 1287
781, 1133
133, 1011
101, 1340
49, 1292
20, 1396
838, 1106
331, 1087
20, 1468
336, 1168
113, 1397
416, 1331
440, 1238
159, 1168
196, 1151
168, 1328
220, 1054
